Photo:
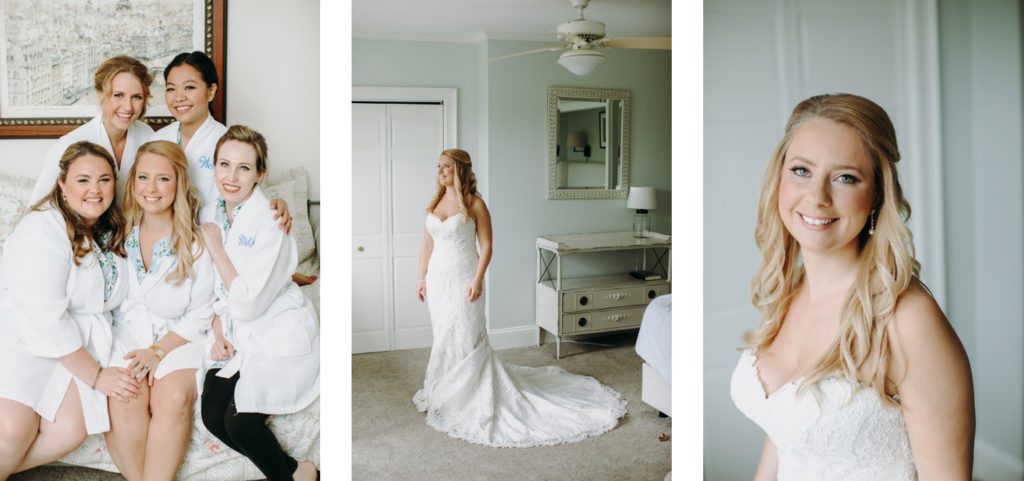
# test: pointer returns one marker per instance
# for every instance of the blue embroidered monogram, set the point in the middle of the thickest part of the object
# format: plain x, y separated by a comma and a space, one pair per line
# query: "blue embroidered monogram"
246, 240
205, 162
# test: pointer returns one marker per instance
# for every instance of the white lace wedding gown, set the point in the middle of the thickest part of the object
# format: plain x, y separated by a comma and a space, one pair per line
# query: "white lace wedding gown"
469, 393
850, 436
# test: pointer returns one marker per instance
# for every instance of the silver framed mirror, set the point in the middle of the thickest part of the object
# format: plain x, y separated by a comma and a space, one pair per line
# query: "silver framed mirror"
588, 143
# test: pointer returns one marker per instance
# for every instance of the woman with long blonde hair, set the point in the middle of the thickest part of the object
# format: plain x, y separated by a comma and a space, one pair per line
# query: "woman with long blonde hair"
854, 372
159, 328
468, 392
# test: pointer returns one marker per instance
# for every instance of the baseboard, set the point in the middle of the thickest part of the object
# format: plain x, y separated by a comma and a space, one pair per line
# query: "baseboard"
508, 338
994, 464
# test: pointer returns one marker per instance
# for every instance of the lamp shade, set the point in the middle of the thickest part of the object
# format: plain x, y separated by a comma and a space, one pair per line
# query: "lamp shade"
644, 198
582, 61
576, 139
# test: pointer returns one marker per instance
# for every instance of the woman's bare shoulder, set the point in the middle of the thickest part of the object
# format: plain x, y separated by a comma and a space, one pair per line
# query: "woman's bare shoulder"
920, 332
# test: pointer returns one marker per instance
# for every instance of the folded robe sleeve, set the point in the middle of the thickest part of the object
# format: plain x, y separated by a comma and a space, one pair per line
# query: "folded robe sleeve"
36, 266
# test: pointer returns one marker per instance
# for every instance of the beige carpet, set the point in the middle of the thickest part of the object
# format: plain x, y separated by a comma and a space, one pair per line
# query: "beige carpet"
391, 440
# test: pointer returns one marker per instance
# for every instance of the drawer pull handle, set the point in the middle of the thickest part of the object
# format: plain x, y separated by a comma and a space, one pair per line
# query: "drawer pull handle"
584, 300
360, 248
618, 317
651, 294
618, 296
582, 322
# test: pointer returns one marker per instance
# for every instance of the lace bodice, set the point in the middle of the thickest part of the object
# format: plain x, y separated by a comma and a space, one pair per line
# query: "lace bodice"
848, 434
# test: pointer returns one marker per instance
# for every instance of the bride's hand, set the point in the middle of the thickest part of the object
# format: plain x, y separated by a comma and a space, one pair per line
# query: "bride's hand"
475, 289
421, 290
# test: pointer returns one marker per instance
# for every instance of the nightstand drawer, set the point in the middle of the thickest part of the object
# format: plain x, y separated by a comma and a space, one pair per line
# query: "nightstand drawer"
654, 291
604, 299
602, 320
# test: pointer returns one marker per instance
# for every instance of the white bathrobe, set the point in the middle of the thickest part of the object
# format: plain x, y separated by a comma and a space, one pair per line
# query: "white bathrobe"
155, 307
93, 131
49, 308
265, 316
200, 154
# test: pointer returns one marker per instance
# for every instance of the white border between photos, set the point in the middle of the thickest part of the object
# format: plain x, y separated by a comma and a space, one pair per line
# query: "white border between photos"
336, 231
687, 240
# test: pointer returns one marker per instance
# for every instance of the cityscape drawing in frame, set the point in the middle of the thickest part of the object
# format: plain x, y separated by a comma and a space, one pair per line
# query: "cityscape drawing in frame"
49, 51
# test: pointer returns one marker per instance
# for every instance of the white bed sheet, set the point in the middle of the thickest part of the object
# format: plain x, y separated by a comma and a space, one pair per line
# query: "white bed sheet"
654, 343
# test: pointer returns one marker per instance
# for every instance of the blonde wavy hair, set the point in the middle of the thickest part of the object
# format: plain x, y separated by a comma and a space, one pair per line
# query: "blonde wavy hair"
465, 181
104, 78
887, 266
185, 208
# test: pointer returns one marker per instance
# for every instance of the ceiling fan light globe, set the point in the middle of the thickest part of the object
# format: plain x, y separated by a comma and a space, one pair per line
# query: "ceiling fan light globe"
581, 62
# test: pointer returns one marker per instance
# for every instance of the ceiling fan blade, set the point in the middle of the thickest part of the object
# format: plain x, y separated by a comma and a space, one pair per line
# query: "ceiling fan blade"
545, 49
656, 43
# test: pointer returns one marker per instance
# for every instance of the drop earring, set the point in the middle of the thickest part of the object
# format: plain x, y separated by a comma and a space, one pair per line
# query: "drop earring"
871, 229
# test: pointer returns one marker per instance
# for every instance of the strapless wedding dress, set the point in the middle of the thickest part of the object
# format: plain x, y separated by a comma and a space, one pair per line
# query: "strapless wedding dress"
848, 434
469, 393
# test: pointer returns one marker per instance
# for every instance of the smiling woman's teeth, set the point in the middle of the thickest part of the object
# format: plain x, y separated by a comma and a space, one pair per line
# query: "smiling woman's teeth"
813, 221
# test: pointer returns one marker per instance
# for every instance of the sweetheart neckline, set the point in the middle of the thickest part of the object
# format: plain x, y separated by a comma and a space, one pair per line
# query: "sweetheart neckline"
447, 218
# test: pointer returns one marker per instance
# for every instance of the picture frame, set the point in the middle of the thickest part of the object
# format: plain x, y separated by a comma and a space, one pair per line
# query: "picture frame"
602, 127
51, 120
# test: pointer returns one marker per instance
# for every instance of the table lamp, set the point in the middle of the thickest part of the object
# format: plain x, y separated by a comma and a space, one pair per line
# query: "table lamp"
642, 199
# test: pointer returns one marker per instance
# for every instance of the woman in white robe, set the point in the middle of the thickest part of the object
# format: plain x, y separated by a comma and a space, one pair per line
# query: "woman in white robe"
262, 317
62, 272
122, 89
192, 82
160, 327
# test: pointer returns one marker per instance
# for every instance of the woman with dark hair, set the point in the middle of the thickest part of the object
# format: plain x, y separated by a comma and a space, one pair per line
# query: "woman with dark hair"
191, 84
62, 272
854, 372
122, 88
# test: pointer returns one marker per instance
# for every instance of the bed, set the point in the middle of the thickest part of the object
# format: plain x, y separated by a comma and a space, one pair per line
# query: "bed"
654, 345
207, 458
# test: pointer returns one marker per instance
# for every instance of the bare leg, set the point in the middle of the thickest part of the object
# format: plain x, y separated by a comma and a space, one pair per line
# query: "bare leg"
126, 440
171, 428
63, 435
19, 425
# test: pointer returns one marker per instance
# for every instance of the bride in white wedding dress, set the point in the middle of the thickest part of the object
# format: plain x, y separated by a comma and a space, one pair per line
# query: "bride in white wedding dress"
468, 392
854, 373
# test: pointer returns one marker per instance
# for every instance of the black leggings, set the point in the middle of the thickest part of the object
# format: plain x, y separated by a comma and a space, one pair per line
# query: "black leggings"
246, 433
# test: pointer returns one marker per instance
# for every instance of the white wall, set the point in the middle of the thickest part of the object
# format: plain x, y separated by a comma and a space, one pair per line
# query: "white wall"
272, 86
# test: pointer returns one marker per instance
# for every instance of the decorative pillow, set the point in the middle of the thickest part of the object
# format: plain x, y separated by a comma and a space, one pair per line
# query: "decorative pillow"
14, 193
293, 187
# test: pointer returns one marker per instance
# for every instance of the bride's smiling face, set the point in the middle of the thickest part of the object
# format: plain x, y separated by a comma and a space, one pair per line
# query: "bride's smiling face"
445, 171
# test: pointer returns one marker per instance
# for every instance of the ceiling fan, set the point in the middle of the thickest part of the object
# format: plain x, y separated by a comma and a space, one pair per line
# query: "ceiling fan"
584, 40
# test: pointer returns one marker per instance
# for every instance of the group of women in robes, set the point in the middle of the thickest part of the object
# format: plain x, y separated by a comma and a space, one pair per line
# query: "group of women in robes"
152, 269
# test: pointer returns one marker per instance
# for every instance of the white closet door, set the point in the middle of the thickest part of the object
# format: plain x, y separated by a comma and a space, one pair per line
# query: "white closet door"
394, 158
371, 315
416, 140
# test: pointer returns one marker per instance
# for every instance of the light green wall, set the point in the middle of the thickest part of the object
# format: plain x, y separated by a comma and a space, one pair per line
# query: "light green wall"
983, 170
397, 63
517, 92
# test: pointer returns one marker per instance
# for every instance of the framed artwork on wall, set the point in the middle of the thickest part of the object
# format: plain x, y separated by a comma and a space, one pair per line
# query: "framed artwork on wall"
49, 51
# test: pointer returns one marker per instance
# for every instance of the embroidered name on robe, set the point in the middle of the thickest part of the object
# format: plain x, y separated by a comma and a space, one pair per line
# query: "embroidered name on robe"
246, 241
205, 162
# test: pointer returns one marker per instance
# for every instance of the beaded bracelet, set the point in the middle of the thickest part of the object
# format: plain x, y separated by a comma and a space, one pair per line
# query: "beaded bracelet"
97, 380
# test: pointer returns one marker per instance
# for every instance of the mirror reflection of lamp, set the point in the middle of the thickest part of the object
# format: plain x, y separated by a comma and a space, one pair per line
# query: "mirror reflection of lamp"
577, 141
642, 199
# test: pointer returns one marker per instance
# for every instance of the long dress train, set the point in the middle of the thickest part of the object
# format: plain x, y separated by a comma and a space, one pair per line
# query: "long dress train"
469, 393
